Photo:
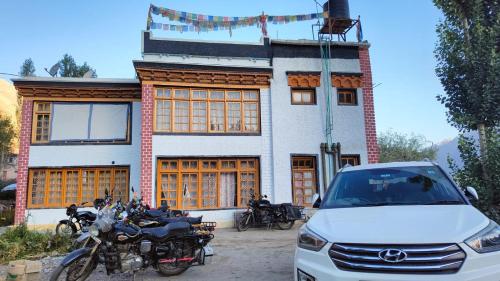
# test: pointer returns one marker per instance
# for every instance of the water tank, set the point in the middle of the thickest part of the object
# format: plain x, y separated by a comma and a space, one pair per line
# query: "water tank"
337, 9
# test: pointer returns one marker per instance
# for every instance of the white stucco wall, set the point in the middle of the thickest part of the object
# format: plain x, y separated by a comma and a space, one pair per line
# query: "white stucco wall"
87, 155
299, 129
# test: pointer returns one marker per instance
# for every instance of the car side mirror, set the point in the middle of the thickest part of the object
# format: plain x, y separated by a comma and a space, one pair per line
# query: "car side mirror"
316, 200
471, 193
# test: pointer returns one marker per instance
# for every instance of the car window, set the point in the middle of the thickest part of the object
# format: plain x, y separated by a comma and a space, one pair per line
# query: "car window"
425, 185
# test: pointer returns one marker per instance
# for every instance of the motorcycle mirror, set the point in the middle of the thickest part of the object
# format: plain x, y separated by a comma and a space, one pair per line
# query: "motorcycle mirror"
316, 200
471, 193
106, 192
133, 189
265, 196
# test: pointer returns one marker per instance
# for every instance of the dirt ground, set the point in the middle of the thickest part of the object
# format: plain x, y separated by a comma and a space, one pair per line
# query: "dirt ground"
257, 254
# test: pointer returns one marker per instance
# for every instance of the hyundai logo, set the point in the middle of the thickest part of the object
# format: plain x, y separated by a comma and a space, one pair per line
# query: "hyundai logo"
392, 255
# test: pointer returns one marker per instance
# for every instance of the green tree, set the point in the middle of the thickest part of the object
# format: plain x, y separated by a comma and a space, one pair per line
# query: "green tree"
471, 173
7, 135
394, 146
468, 55
27, 68
69, 68
469, 64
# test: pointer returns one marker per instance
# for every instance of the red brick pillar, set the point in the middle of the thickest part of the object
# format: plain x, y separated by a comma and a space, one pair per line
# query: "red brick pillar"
368, 106
146, 143
22, 160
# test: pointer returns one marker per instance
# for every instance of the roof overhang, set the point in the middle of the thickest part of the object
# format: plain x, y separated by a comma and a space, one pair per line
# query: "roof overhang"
202, 74
48, 87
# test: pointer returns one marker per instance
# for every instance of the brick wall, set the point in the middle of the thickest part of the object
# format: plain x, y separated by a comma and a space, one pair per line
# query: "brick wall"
22, 160
370, 128
146, 181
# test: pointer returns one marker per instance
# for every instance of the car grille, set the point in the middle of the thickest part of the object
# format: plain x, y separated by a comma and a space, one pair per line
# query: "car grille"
420, 259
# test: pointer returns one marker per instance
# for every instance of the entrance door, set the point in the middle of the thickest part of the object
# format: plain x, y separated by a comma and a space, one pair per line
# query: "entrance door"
303, 180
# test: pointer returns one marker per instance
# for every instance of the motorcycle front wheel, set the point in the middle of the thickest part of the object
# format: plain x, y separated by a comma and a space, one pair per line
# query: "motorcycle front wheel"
243, 223
285, 225
72, 271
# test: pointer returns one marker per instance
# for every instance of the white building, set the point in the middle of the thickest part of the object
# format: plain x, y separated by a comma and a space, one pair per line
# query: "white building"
204, 123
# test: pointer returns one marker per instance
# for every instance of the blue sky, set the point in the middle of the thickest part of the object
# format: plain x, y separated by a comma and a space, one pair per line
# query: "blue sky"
107, 35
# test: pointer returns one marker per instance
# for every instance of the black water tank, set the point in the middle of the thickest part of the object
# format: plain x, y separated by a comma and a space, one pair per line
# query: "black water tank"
338, 9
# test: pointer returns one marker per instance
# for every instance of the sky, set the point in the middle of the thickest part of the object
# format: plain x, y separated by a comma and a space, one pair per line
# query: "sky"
107, 35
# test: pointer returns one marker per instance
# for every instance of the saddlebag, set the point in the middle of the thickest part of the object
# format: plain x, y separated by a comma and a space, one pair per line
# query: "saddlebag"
293, 212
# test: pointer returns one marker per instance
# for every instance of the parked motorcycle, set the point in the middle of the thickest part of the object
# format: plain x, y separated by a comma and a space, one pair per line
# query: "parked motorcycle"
124, 247
261, 212
77, 221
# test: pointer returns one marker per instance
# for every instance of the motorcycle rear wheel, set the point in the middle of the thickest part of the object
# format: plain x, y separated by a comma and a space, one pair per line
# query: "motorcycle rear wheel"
243, 223
285, 225
70, 272
166, 269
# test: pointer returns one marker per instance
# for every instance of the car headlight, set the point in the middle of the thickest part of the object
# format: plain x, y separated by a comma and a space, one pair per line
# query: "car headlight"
309, 240
486, 240
94, 230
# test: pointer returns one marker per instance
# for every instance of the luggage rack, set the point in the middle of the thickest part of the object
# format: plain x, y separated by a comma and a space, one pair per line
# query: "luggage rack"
206, 226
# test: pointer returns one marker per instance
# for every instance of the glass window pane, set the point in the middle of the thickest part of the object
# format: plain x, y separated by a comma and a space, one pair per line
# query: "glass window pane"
233, 95
182, 116
217, 119
163, 113
199, 94
182, 93
199, 123
306, 97
217, 94
38, 188
250, 95
296, 97
234, 117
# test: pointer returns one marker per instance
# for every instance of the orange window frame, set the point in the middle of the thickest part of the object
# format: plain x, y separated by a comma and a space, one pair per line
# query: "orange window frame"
63, 202
347, 97
163, 168
211, 97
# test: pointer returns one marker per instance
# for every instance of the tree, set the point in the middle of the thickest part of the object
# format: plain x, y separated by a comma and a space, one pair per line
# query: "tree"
395, 146
69, 68
468, 57
7, 135
28, 68
471, 173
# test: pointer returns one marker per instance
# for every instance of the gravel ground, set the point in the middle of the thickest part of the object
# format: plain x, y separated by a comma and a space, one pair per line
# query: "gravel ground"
257, 254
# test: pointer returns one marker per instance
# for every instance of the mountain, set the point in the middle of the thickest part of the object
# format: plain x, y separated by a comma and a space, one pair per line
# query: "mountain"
450, 148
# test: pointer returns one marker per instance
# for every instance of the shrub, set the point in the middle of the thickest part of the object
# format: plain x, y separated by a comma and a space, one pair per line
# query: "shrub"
20, 242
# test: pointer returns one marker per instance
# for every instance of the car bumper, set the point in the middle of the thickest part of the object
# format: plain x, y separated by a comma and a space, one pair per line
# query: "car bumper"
477, 267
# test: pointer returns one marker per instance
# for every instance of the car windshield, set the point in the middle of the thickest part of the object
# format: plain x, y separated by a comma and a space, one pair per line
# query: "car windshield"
425, 185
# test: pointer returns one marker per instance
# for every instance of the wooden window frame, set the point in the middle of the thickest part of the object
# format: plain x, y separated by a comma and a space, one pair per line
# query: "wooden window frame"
314, 169
199, 171
344, 91
64, 171
244, 98
37, 113
347, 157
303, 90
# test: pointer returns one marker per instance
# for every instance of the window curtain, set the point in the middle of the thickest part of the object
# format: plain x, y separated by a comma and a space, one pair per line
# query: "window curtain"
227, 190
70, 122
109, 121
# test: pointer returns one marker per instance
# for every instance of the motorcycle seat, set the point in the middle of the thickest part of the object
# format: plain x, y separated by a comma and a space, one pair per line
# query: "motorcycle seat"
190, 220
161, 233
275, 206
155, 213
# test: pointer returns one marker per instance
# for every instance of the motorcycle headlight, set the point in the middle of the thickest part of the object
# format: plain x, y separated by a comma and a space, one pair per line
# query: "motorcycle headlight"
94, 230
309, 240
486, 240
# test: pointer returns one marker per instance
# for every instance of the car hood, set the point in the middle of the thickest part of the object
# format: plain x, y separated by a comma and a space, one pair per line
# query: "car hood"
398, 224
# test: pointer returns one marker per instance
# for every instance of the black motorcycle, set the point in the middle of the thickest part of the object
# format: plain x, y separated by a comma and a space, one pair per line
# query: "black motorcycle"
262, 213
124, 247
77, 221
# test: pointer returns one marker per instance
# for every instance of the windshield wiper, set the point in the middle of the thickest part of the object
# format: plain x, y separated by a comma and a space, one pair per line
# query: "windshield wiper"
446, 202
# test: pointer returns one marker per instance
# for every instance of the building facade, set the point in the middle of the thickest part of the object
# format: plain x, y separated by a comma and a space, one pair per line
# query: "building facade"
204, 124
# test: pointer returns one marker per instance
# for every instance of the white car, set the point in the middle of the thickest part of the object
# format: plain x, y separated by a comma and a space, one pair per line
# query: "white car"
397, 221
